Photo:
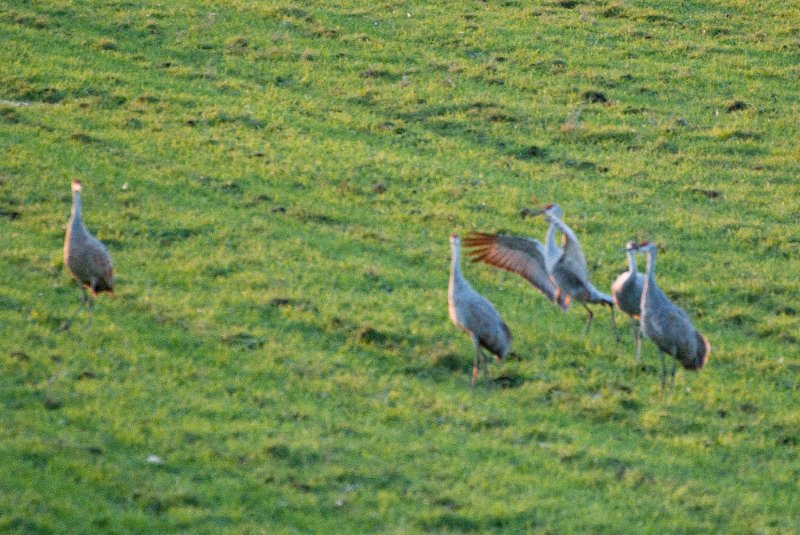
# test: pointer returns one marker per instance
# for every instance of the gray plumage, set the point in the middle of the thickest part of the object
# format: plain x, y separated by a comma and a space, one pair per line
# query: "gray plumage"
85, 256
475, 315
627, 293
667, 325
569, 271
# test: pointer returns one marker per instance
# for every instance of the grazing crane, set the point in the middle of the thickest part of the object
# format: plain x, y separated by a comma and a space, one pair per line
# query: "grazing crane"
627, 294
85, 256
475, 315
526, 257
569, 272
667, 325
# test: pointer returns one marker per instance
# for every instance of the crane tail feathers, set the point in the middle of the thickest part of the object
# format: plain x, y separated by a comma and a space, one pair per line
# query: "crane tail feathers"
100, 285
700, 358
498, 346
706, 348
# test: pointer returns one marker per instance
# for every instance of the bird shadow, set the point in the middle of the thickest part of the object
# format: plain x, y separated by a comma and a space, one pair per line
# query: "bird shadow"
442, 366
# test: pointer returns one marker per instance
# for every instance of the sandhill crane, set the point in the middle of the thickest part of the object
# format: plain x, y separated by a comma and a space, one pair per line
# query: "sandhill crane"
569, 272
627, 293
526, 257
667, 325
475, 315
85, 256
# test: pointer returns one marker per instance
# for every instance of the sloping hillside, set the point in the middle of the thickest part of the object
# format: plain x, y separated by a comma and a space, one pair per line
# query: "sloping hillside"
276, 183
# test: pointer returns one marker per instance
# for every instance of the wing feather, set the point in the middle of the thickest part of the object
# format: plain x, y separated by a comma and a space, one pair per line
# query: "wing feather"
523, 256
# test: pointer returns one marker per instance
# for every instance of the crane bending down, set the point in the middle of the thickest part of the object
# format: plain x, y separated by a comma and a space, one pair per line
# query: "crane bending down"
560, 274
475, 315
627, 293
667, 325
526, 257
569, 272
86, 256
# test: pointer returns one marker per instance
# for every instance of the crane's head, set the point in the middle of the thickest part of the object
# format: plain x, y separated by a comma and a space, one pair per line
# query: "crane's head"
645, 246
630, 246
76, 185
455, 239
552, 210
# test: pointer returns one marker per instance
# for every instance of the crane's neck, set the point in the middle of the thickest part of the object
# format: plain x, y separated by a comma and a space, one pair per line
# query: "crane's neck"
552, 252
457, 280
651, 265
550, 241
75, 216
564, 229
455, 261
632, 262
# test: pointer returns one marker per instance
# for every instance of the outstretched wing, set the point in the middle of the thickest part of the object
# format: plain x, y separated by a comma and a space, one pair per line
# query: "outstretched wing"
523, 256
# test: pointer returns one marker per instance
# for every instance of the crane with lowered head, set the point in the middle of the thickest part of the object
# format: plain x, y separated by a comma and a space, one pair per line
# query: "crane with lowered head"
570, 274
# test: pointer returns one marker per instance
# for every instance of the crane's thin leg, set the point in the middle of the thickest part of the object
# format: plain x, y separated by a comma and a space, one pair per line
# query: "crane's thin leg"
476, 362
485, 369
588, 319
637, 340
90, 306
672, 375
663, 374
614, 324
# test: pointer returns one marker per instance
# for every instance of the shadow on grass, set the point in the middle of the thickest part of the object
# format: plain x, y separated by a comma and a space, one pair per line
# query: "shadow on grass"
469, 521
442, 366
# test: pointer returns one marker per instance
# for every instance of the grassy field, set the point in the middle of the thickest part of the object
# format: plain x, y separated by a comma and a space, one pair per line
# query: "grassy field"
276, 183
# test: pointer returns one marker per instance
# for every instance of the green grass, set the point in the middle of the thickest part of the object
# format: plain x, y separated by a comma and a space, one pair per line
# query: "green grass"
276, 183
